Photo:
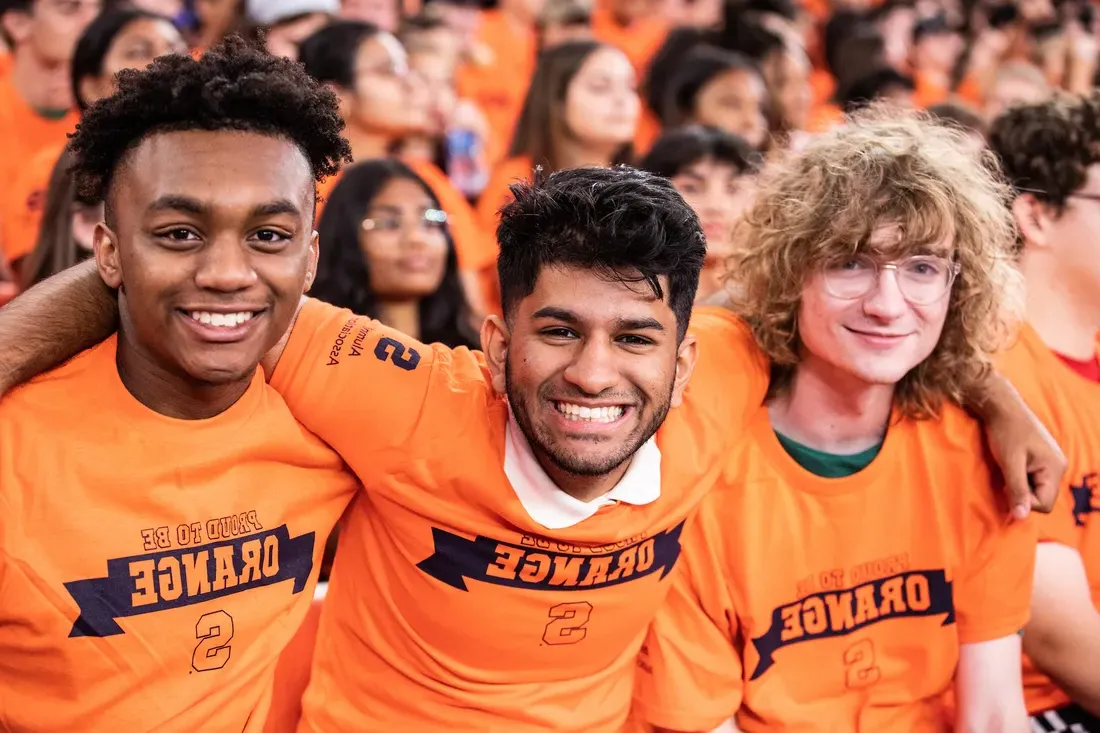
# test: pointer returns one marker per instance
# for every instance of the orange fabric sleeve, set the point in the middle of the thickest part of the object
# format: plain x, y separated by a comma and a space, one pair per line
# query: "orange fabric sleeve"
993, 592
365, 389
689, 671
729, 364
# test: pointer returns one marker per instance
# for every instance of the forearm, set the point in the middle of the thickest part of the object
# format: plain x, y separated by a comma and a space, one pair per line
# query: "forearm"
1067, 655
988, 688
53, 321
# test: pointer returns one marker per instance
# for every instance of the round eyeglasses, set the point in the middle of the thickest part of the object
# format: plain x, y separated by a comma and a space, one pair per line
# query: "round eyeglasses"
922, 279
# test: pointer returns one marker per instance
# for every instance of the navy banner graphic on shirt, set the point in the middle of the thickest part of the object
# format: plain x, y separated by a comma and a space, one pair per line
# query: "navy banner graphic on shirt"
458, 559
184, 576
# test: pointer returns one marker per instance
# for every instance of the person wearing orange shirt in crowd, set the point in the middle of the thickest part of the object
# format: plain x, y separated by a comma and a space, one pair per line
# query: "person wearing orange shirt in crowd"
36, 100
785, 68
162, 514
583, 451
286, 23
380, 103
1050, 151
581, 110
115, 40
715, 172
854, 561
388, 255
934, 56
497, 79
721, 89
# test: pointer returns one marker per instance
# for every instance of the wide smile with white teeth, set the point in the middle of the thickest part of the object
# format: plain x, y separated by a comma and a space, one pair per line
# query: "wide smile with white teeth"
221, 320
580, 413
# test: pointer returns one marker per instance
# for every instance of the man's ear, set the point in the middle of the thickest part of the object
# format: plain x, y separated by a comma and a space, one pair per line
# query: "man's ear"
16, 26
1033, 219
685, 365
311, 267
105, 246
495, 337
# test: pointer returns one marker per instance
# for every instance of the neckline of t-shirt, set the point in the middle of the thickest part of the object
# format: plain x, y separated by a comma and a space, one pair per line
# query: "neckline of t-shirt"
121, 401
1029, 332
800, 478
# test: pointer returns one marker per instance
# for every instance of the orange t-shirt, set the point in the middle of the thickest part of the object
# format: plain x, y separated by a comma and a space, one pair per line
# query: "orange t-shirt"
449, 607
23, 134
639, 40
26, 199
499, 86
1067, 403
807, 603
152, 569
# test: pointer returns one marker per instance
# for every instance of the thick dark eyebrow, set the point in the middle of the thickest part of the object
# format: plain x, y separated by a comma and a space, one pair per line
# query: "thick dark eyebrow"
639, 324
185, 204
275, 208
188, 205
557, 314
621, 324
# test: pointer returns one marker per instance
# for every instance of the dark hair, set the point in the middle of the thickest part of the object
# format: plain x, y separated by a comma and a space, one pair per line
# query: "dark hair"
329, 54
624, 224
699, 67
960, 115
1047, 148
343, 273
666, 62
857, 49
542, 118
55, 250
676, 150
783, 8
95, 44
869, 86
841, 26
750, 37
231, 87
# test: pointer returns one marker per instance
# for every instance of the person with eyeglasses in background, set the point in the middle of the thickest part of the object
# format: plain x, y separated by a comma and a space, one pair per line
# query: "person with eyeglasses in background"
382, 103
1050, 151
853, 563
388, 255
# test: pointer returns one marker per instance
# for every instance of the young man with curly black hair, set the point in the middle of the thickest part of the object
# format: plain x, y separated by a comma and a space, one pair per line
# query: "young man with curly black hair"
162, 514
1050, 152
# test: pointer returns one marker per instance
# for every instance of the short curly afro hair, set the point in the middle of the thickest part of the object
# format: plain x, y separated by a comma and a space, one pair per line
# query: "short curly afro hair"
1046, 148
233, 86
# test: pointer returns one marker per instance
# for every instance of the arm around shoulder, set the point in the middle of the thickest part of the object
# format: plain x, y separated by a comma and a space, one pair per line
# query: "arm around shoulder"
54, 321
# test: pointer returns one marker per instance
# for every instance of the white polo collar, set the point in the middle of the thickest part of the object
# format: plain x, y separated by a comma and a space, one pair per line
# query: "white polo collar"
553, 508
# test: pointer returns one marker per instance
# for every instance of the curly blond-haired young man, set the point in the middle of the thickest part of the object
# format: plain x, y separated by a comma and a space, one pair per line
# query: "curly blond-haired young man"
853, 565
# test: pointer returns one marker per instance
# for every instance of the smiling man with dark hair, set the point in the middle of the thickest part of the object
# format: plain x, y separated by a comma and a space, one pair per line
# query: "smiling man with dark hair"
162, 515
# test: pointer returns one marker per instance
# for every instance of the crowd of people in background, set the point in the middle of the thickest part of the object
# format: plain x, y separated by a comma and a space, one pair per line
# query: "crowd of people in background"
462, 149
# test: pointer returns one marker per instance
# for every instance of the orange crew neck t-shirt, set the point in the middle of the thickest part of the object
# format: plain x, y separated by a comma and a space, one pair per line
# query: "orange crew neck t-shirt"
450, 607
152, 569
